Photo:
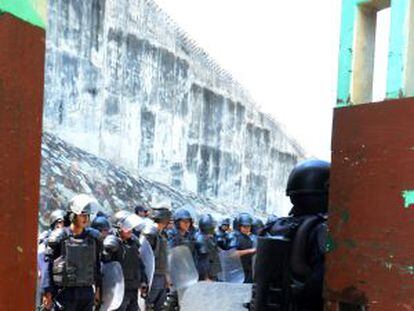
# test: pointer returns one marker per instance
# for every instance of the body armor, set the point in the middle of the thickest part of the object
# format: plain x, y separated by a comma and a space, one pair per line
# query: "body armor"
159, 244
222, 239
76, 265
240, 241
207, 256
131, 264
286, 277
161, 254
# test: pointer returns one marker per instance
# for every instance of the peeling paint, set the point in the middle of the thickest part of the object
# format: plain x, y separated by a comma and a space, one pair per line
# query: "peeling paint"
408, 270
345, 216
331, 244
408, 196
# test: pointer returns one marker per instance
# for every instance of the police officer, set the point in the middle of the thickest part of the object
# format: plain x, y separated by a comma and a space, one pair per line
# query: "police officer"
56, 220
222, 233
181, 234
242, 241
299, 250
124, 247
74, 261
157, 238
208, 261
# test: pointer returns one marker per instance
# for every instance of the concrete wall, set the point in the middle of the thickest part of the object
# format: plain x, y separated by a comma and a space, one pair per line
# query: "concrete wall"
125, 83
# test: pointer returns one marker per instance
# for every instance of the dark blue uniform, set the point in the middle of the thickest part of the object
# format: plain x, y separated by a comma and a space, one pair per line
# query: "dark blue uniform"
240, 241
73, 268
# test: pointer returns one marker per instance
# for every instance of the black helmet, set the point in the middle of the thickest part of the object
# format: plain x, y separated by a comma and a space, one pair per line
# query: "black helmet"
225, 222
207, 224
55, 216
160, 213
140, 208
181, 214
257, 225
101, 223
309, 177
245, 219
308, 187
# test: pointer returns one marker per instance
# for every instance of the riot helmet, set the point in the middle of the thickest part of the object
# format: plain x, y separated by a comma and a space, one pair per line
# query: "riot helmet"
245, 219
207, 224
160, 213
56, 216
101, 224
182, 214
308, 187
82, 204
141, 210
183, 219
225, 222
128, 221
257, 226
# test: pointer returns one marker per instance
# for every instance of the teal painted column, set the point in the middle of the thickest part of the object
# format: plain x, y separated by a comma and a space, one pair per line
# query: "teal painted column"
349, 31
357, 49
348, 22
399, 63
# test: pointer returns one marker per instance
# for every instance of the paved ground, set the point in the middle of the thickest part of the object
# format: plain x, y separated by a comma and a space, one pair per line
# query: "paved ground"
215, 296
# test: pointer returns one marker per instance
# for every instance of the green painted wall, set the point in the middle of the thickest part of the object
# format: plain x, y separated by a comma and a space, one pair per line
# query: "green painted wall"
31, 11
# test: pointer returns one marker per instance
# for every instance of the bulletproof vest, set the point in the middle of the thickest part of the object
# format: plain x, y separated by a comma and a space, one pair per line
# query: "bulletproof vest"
221, 239
213, 257
207, 246
240, 241
176, 239
131, 264
76, 267
161, 255
283, 265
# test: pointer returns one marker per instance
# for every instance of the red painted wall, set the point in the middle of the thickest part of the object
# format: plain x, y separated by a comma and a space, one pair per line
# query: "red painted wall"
22, 50
371, 232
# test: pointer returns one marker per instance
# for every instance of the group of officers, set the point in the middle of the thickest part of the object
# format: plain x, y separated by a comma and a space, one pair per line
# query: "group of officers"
283, 257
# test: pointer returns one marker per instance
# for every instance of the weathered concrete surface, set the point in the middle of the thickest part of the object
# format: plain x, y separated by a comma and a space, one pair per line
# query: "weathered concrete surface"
213, 296
22, 49
67, 170
124, 83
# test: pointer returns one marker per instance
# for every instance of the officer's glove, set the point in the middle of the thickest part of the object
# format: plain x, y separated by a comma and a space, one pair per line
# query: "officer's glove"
144, 291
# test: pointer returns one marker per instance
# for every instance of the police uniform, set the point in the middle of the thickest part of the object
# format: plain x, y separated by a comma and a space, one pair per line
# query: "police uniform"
73, 268
240, 241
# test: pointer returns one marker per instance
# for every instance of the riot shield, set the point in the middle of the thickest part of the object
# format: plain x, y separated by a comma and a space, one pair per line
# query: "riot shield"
183, 271
113, 286
147, 256
231, 267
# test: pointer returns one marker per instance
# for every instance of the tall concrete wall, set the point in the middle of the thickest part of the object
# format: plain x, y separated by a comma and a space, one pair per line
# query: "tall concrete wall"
125, 83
